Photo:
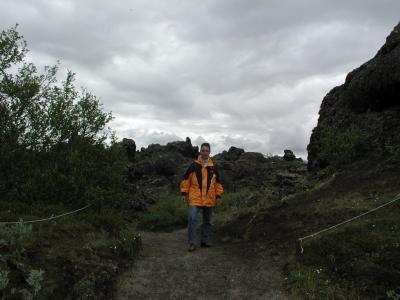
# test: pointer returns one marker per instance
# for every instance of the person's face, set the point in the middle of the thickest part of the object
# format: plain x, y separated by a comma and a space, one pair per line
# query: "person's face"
204, 152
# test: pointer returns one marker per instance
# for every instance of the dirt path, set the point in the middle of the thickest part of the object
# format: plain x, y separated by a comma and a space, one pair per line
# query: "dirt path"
165, 270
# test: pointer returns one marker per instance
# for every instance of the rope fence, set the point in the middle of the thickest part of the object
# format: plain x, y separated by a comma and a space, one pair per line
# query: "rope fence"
344, 222
47, 219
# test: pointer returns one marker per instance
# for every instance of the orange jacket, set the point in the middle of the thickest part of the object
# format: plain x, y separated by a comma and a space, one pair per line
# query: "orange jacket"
202, 184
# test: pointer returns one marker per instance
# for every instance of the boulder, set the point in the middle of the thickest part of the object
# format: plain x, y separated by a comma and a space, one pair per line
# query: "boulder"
288, 156
130, 147
232, 154
185, 148
252, 157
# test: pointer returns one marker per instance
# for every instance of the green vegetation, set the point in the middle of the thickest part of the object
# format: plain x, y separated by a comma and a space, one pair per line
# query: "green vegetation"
57, 154
340, 147
170, 212
79, 253
358, 260
167, 213
12, 245
235, 204
365, 259
53, 137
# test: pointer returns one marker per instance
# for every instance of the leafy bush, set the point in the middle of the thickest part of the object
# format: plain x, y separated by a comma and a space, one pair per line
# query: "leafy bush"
53, 137
12, 249
13, 236
391, 294
34, 280
56, 150
4, 280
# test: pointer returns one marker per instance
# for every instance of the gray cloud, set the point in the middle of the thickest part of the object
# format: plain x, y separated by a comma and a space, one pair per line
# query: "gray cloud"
246, 73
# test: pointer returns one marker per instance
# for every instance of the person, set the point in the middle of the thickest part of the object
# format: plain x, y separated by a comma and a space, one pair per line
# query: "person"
202, 190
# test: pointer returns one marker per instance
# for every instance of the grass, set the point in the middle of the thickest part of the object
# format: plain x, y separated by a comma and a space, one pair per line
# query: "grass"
313, 283
168, 213
243, 202
360, 259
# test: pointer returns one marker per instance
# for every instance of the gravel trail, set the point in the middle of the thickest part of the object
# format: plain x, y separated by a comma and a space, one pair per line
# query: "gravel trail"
165, 270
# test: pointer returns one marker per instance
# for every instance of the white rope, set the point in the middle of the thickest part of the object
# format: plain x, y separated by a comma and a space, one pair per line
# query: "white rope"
347, 221
47, 219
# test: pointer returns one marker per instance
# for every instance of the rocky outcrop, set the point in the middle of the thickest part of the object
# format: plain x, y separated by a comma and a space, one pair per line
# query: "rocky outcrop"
155, 170
185, 148
159, 169
231, 155
367, 105
272, 177
130, 147
288, 156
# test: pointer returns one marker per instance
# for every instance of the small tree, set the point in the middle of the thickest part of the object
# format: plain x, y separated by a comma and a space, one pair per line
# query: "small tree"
52, 136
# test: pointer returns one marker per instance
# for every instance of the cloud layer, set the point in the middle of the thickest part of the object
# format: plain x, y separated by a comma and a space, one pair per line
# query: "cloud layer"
251, 74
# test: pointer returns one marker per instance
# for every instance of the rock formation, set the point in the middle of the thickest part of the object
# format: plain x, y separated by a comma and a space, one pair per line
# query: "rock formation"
288, 156
159, 168
368, 104
130, 147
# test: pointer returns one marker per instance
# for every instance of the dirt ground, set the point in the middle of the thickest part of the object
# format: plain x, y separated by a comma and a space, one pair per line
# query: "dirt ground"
165, 270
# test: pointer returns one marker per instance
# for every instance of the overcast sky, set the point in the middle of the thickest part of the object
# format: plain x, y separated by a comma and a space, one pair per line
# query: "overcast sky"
250, 74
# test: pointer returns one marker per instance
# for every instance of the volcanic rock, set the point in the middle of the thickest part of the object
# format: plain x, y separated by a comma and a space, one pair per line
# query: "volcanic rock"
367, 105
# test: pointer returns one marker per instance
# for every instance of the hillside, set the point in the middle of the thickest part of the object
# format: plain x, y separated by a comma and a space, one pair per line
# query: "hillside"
354, 158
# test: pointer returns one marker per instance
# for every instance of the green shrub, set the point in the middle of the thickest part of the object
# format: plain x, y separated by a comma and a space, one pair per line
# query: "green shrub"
340, 147
391, 294
34, 281
55, 145
4, 279
12, 239
13, 236
167, 213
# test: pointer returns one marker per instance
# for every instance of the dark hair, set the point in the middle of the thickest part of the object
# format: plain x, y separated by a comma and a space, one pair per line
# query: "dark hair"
206, 145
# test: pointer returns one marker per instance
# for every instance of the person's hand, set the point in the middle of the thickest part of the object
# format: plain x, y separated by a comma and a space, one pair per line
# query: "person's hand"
219, 201
184, 198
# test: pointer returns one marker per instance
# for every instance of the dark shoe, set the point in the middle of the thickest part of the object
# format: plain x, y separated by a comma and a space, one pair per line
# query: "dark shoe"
205, 245
191, 248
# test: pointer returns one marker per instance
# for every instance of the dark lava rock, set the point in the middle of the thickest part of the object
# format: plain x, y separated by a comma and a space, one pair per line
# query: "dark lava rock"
368, 102
130, 147
141, 168
185, 148
168, 164
252, 157
232, 154
288, 156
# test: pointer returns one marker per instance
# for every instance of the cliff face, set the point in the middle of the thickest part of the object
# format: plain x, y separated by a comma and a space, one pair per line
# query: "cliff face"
367, 103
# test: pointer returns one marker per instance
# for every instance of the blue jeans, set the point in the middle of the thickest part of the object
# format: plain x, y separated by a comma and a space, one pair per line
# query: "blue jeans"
206, 226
